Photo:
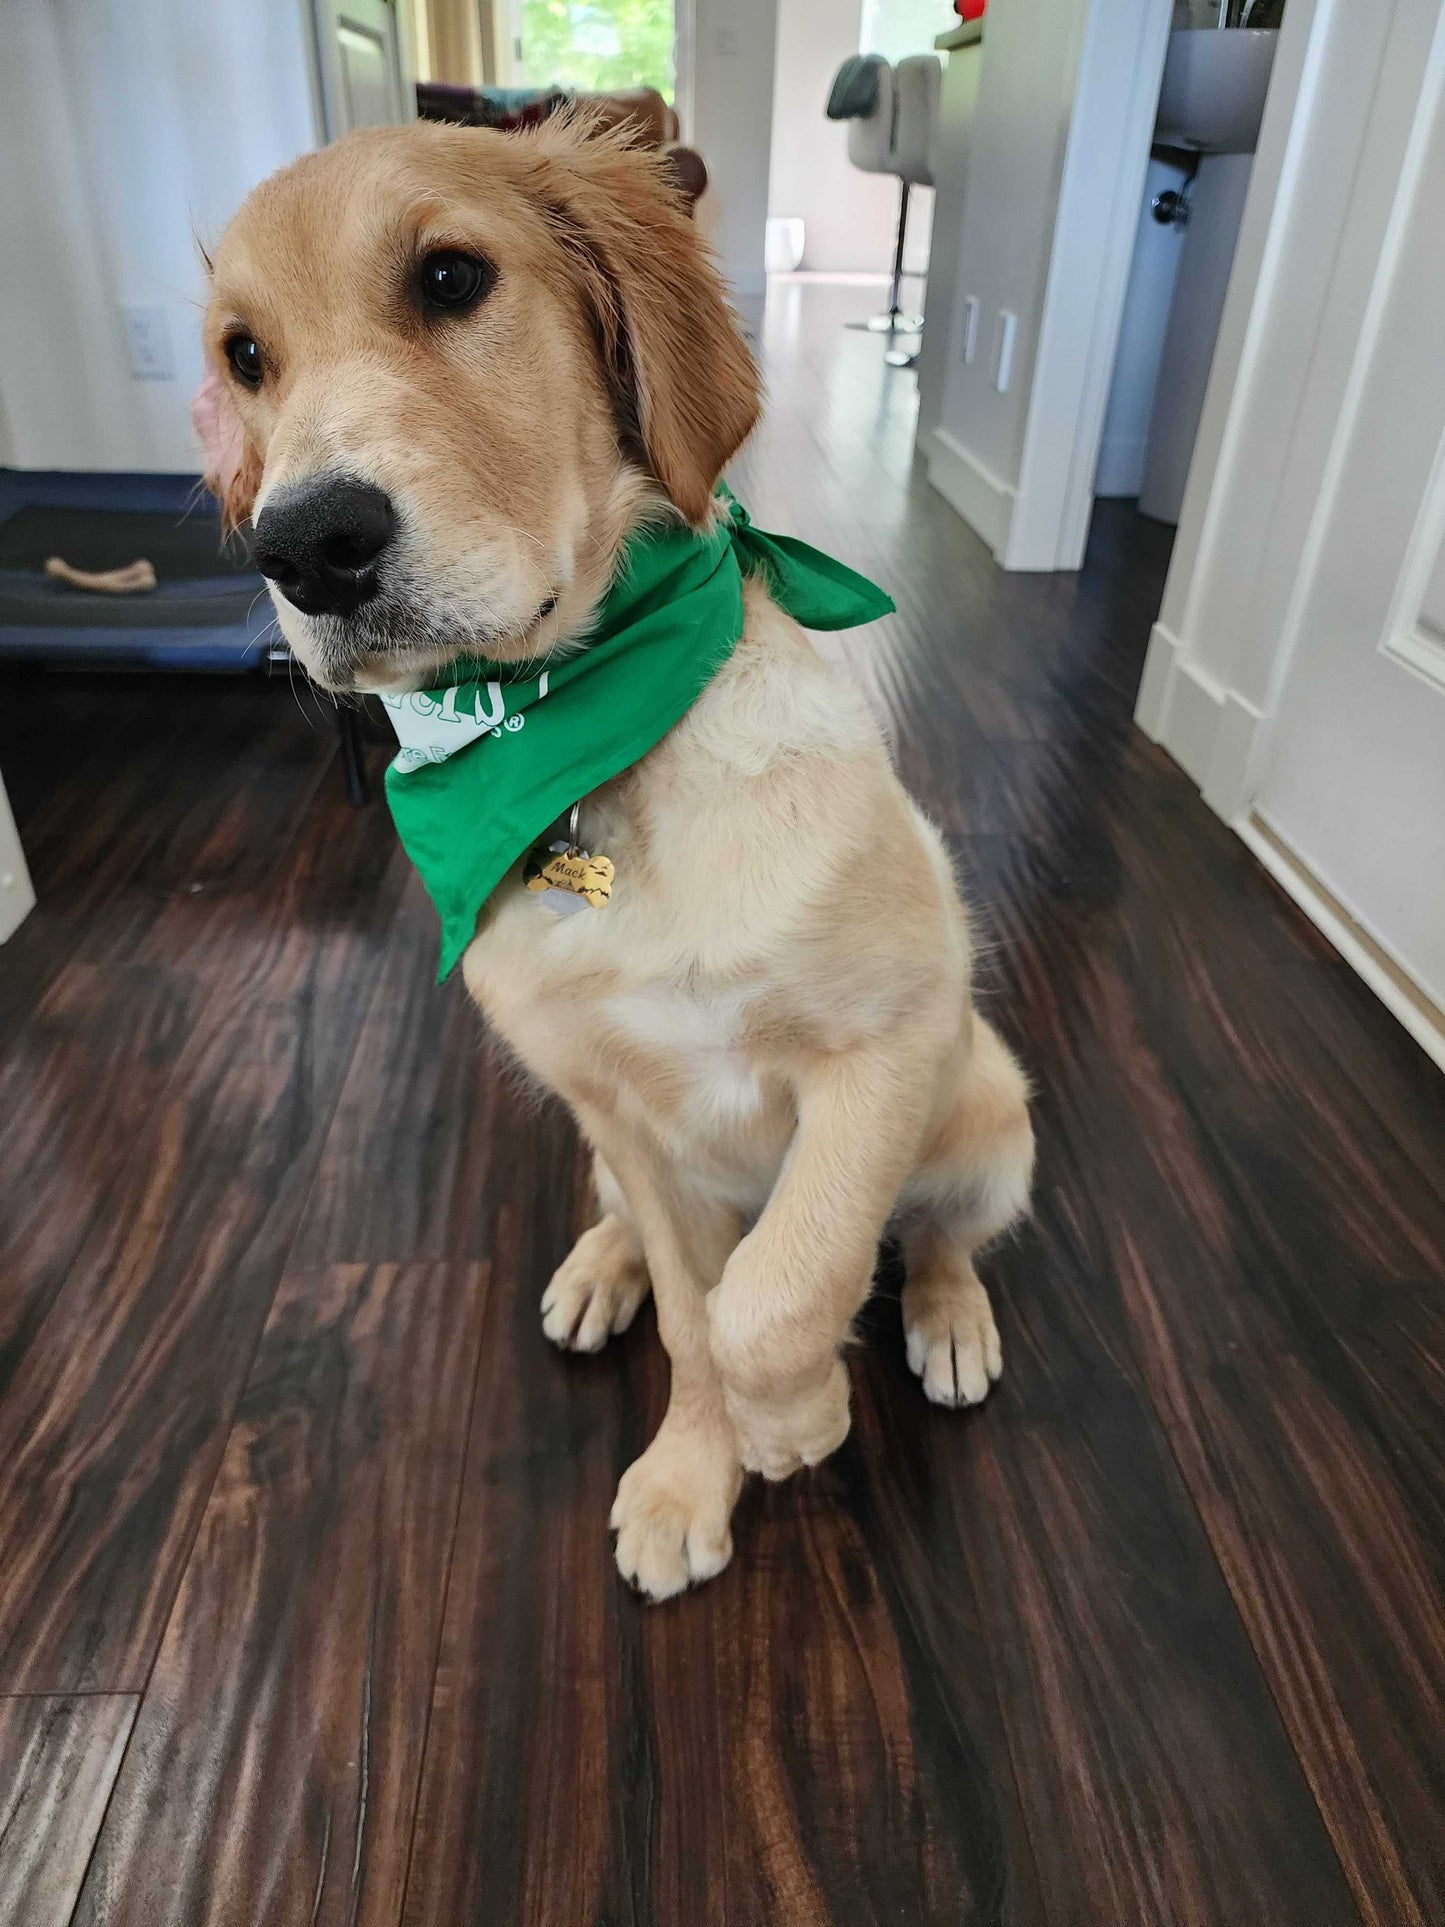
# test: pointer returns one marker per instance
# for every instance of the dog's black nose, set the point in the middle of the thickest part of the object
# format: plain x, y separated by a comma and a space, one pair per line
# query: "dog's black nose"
320, 543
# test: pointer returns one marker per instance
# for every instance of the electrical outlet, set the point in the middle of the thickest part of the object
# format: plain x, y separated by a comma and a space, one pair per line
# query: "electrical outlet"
727, 42
148, 336
1003, 365
971, 309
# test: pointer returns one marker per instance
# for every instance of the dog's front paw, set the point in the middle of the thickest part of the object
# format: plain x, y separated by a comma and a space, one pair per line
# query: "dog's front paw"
673, 1508
952, 1339
778, 1436
596, 1290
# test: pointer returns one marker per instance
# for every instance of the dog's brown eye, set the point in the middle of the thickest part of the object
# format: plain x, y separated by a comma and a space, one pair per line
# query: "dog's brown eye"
450, 281
245, 359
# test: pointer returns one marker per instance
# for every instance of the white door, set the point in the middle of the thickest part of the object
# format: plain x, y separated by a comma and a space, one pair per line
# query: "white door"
362, 67
1353, 778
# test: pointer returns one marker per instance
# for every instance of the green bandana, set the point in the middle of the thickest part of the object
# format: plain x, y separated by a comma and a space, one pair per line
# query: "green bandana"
491, 760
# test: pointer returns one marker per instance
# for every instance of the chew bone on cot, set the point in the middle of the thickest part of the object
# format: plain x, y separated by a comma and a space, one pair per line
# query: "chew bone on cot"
134, 579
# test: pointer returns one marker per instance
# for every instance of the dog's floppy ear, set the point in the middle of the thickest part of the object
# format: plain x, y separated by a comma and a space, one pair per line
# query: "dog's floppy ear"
684, 382
232, 466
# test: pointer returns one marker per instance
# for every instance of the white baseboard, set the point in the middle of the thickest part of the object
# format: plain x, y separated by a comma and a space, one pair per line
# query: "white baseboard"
1153, 685
1210, 731
1391, 983
17, 900
1179, 705
984, 502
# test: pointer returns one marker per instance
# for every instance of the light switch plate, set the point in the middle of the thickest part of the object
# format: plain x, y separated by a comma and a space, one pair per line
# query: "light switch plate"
1003, 366
971, 309
148, 337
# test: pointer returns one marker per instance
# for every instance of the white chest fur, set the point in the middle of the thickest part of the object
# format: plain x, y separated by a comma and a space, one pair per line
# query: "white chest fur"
703, 1031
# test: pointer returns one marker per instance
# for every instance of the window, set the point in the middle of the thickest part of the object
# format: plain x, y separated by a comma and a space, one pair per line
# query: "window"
594, 46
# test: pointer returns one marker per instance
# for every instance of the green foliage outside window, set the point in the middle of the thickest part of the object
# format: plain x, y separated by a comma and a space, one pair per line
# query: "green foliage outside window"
596, 45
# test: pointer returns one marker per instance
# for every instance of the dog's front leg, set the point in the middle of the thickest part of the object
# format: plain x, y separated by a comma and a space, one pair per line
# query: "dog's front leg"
674, 1505
792, 1286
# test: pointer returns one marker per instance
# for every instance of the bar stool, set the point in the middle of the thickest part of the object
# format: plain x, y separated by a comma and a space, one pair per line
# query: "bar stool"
895, 136
916, 85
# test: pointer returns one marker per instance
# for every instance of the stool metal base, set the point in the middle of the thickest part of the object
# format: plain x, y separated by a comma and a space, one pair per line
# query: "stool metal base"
889, 324
894, 321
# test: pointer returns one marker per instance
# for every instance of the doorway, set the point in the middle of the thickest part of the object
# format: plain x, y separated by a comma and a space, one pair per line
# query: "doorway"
839, 220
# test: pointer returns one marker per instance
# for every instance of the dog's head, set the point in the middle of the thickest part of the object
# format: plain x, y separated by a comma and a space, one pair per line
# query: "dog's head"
451, 371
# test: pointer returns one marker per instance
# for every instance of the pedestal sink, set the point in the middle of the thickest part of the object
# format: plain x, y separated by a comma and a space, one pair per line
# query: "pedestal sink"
1214, 86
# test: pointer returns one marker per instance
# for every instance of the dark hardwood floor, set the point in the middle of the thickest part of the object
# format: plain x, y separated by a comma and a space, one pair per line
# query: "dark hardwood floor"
307, 1607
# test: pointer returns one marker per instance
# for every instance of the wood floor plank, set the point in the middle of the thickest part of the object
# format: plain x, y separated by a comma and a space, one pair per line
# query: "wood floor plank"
1297, 1353
274, 1767
1157, 1781
81, 1080
82, 839
58, 1762
529, 1601
114, 825
117, 1407
428, 1099
744, 1755
1282, 1264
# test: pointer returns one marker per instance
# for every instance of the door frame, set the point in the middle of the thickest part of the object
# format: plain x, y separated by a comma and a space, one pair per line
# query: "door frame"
1106, 157
323, 76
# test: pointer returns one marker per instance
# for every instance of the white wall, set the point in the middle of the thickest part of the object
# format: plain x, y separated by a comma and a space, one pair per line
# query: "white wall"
957, 102
849, 217
65, 390
1030, 58
127, 126
1217, 200
1056, 163
1141, 340
730, 108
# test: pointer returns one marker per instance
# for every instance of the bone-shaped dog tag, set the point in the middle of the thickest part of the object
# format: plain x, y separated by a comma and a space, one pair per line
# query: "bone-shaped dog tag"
570, 879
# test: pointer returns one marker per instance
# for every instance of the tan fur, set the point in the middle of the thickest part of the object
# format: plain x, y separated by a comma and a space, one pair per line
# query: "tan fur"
767, 1034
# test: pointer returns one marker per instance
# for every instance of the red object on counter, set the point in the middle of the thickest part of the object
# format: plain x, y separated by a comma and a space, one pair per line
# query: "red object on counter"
969, 9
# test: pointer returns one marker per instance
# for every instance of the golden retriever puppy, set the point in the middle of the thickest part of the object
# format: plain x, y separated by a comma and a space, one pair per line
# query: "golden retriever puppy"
508, 354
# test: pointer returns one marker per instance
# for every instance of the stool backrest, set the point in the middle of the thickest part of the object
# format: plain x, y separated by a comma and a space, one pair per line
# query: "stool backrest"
870, 136
916, 84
